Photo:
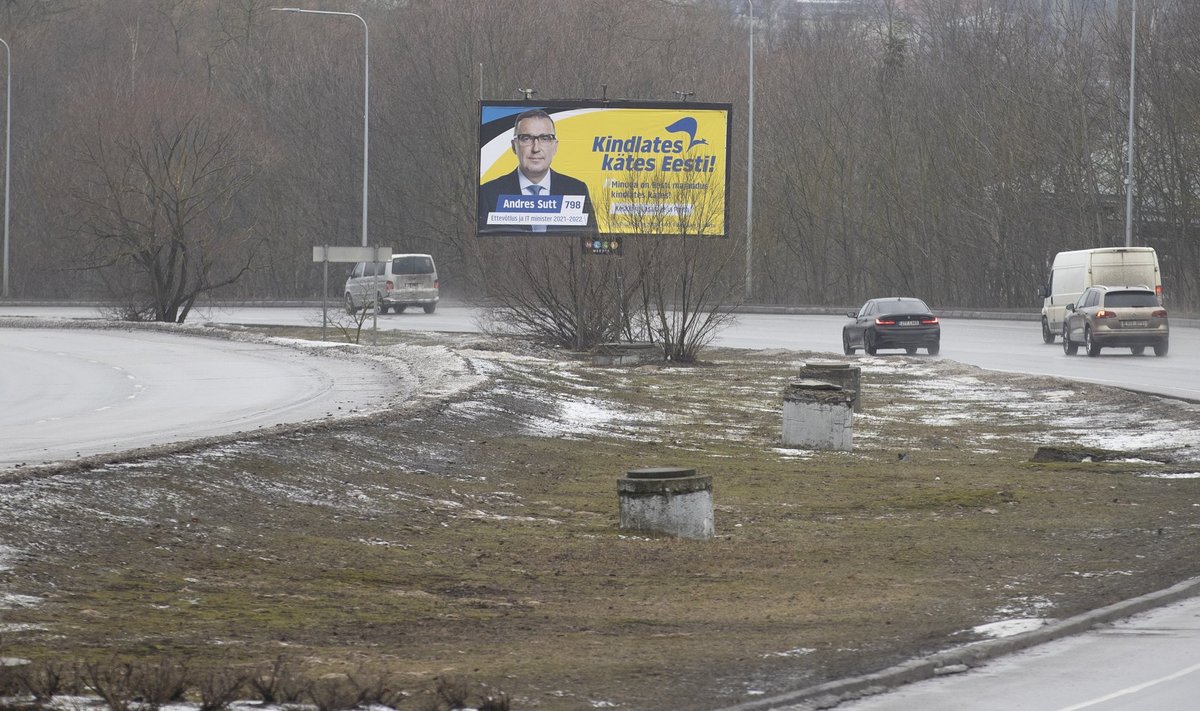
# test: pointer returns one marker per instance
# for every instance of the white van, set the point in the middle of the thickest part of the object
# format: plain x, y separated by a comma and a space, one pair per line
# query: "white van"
1074, 271
406, 280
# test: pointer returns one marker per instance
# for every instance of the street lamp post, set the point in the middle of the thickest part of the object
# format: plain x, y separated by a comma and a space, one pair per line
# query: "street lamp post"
366, 98
750, 170
7, 152
1129, 182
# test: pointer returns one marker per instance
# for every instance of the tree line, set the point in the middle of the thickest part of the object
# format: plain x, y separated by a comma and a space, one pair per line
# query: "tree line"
168, 151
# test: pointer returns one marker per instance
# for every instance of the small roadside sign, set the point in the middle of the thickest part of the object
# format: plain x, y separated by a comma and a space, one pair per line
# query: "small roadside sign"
346, 255
351, 255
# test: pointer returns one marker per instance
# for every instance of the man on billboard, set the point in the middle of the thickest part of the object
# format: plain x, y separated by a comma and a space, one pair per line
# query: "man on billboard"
534, 198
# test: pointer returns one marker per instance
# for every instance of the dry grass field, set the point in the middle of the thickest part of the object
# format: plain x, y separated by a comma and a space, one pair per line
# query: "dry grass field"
475, 539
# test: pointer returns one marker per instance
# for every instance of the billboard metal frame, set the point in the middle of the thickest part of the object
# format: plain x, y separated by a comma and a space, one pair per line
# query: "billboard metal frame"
665, 152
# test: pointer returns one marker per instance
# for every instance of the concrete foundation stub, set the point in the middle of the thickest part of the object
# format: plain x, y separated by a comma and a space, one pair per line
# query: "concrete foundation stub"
849, 377
817, 415
667, 500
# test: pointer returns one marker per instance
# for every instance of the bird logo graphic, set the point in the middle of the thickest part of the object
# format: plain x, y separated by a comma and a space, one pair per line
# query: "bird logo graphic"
687, 125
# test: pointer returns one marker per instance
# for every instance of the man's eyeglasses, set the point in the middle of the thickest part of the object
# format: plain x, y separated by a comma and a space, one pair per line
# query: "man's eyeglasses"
527, 139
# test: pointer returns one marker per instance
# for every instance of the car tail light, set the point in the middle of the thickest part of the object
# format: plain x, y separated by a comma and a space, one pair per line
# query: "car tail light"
885, 322
929, 321
1105, 313
1158, 313
435, 283
390, 286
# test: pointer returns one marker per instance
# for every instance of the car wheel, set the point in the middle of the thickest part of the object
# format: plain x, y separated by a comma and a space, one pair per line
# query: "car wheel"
1047, 334
846, 347
1137, 350
869, 343
429, 308
380, 307
350, 304
1093, 350
934, 349
1161, 348
1069, 346
910, 350
399, 308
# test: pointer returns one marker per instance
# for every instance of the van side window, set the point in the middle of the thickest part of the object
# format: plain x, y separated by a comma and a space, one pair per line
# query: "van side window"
358, 270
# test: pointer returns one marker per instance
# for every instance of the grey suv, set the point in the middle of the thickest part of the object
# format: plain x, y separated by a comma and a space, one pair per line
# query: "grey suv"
1116, 317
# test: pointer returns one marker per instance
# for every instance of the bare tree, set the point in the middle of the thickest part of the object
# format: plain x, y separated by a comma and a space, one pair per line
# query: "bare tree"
682, 278
546, 287
161, 214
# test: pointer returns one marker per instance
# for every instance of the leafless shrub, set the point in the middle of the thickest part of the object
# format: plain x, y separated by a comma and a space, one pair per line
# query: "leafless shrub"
160, 683
348, 326
374, 687
43, 680
219, 687
111, 682
454, 692
278, 683
333, 693
548, 290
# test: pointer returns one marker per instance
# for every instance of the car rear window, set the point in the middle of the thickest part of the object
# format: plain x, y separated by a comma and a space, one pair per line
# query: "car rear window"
909, 304
412, 265
1117, 299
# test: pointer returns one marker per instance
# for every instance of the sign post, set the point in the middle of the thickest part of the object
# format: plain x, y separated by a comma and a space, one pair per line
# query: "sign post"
348, 255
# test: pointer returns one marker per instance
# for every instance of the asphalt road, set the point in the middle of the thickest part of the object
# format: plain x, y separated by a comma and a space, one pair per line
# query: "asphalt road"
75, 393
1150, 662
996, 344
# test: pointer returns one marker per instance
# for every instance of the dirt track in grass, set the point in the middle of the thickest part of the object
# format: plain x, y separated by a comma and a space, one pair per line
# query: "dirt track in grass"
476, 537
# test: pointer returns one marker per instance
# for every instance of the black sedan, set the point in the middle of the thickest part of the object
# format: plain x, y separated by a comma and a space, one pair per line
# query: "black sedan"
895, 322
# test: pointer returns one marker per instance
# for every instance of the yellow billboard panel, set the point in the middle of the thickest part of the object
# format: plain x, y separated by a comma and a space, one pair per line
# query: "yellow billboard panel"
603, 168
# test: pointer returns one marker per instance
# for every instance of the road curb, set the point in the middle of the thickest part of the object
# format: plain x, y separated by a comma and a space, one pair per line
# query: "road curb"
830, 694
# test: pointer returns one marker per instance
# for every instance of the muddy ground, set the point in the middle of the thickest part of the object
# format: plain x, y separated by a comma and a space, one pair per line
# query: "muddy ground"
476, 538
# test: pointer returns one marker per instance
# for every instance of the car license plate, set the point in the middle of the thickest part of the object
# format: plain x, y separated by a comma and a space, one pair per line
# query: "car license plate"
910, 323
1133, 324
413, 284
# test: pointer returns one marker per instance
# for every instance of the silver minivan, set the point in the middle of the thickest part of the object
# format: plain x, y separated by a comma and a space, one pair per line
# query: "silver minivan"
406, 280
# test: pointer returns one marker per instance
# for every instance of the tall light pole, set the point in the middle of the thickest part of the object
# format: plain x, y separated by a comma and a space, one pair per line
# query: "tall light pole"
1129, 183
7, 152
750, 170
366, 98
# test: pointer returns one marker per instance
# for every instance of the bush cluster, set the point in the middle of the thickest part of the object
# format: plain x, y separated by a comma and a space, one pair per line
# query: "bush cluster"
147, 686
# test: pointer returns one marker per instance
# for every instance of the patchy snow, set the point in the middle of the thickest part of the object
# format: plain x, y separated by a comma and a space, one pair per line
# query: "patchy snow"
10, 600
789, 453
577, 417
1177, 475
1008, 628
306, 343
797, 652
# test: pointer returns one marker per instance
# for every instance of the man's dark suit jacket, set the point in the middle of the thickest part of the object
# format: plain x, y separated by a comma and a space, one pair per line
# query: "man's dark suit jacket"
509, 184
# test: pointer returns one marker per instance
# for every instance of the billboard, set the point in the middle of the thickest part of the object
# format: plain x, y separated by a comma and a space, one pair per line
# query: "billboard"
603, 168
